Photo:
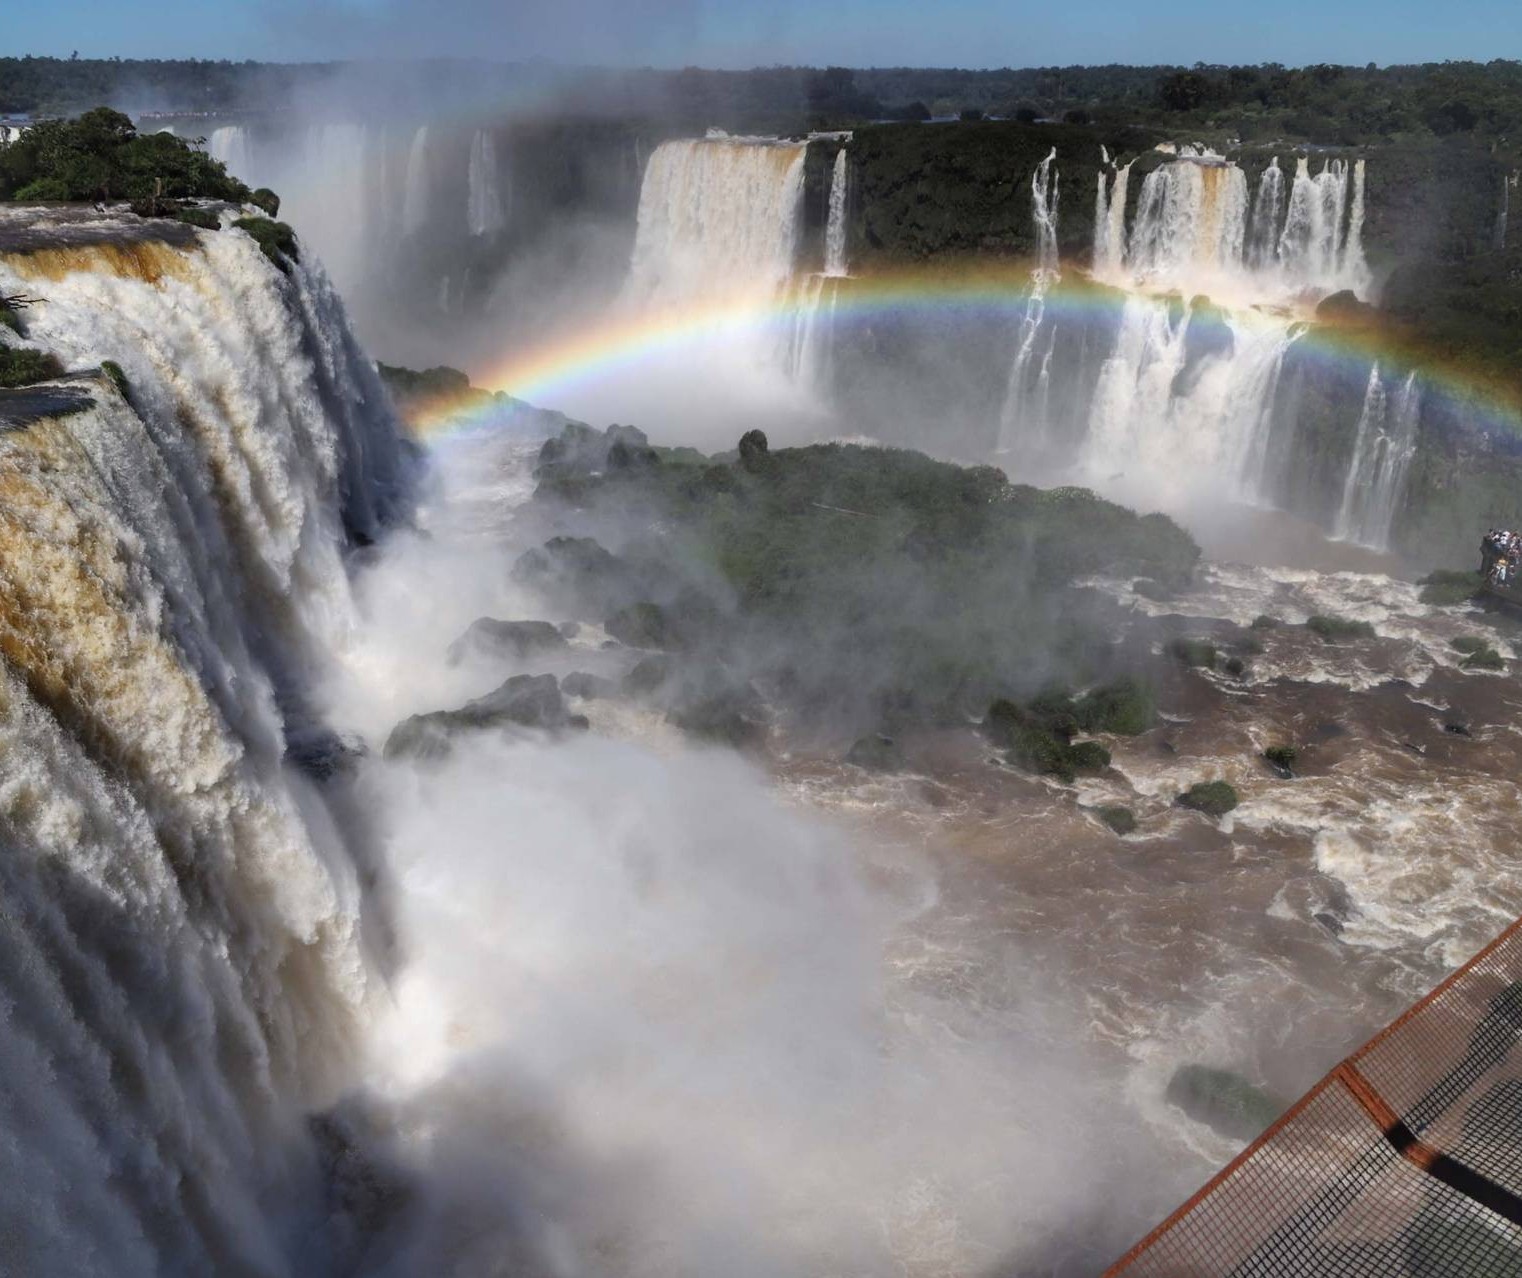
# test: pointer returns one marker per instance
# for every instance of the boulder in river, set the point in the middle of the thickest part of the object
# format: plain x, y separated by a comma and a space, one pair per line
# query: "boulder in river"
1223, 1101
1213, 798
516, 639
876, 753
589, 687
525, 701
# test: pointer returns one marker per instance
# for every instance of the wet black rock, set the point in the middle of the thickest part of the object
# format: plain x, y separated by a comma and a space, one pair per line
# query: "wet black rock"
1457, 729
1281, 758
577, 574
649, 676
1194, 653
1330, 921
524, 701
876, 753
642, 625
753, 450
516, 639
588, 687
324, 754
1222, 1100
733, 716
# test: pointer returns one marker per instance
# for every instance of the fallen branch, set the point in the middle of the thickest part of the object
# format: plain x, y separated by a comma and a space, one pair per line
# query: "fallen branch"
15, 301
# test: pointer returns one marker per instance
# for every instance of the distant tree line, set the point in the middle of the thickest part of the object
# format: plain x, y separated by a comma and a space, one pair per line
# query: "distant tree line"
1326, 103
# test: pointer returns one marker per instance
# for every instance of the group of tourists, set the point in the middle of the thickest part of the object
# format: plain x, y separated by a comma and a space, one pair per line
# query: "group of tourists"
1501, 557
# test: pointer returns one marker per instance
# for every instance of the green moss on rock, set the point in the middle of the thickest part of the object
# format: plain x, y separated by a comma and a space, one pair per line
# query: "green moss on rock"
276, 239
1486, 658
1213, 798
1126, 707
1449, 587
1335, 628
113, 370
1194, 653
1120, 819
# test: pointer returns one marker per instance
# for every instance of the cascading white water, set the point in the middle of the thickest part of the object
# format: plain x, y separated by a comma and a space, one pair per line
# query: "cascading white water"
718, 218
1267, 218
483, 203
1508, 185
1155, 404
415, 188
1184, 381
180, 974
1383, 447
1190, 222
229, 143
835, 224
1027, 400
1110, 220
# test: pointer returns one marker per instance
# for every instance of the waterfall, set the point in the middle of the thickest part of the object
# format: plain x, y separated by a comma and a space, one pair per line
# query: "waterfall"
1185, 383
229, 143
1267, 218
1044, 193
1508, 184
1028, 398
483, 205
1384, 444
717, 218
1191, 219
1110, 222
180, 974
415, 190
835, 226
1321, 245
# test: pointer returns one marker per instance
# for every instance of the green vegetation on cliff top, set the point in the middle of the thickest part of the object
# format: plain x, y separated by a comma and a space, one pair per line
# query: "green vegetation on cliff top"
102, 156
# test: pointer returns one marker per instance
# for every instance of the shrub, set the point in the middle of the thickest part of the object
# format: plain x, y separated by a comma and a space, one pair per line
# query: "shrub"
1469, 644
1125, 707
277, 239
1235, 667
47, 188
12, 321
1121, 820
1089, 756
265, 199
1449, 586
1213, 798
113, 370
1282, 757
22, 366
203, 218
1486, 658
1331, 628
1264, 622
1194, 653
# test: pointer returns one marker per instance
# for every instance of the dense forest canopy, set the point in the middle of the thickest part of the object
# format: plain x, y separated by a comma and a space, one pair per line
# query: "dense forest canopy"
1328, 104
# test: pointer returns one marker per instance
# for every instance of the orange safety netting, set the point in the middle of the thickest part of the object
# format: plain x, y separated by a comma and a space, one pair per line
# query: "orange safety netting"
1405, 1160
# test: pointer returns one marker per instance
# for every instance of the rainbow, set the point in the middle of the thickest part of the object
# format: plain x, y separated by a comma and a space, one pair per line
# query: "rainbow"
548, 372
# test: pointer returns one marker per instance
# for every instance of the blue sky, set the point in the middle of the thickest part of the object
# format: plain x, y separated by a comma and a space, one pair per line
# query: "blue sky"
757, 32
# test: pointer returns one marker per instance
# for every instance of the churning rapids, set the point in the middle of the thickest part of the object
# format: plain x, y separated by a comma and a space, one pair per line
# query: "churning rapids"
275, 1004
